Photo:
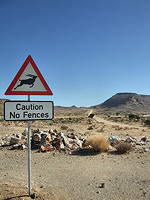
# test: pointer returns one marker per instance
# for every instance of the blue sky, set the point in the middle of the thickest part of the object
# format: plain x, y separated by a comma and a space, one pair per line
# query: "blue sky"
87, 50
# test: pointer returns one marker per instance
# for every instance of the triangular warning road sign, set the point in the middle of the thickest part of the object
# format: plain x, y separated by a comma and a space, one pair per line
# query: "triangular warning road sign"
28, 81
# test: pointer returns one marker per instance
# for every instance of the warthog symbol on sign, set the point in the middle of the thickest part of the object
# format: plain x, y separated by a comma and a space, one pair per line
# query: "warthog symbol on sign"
29, 81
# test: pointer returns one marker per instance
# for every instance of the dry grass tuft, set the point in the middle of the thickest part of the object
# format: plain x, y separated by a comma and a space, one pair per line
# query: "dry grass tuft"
98, 142
123, 147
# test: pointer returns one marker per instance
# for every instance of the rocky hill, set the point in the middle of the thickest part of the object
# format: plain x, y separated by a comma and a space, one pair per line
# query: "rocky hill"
125, 103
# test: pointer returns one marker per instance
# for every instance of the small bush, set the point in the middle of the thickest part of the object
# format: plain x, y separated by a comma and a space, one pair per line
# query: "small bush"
123, 147
49, 122
133, 116
1, 118
147, 122
117, 113
98, 143
90, 128
64, 127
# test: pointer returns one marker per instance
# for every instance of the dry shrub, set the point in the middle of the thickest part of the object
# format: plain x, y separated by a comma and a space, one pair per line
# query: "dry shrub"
98, 142
117, 128
64, 127
90, 128
123, 147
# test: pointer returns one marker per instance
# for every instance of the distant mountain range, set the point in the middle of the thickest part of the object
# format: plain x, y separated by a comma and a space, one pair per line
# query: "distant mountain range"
121, 102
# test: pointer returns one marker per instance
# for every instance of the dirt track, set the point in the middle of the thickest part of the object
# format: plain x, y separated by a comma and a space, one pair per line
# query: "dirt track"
98, 119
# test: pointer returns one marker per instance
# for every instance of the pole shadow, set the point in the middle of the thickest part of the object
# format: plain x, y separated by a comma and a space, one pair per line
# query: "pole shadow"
15, 197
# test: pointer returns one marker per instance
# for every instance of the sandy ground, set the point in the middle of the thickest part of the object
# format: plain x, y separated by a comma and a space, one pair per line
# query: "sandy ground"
79, 175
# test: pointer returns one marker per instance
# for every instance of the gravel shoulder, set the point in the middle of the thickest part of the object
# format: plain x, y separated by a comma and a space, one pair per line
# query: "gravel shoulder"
80, 176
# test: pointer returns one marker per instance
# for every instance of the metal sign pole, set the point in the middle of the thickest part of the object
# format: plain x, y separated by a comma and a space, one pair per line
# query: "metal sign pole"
29, 154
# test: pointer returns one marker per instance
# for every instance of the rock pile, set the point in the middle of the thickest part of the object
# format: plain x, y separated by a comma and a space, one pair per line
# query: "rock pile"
15, 141
50, 140
141, 145
47, 140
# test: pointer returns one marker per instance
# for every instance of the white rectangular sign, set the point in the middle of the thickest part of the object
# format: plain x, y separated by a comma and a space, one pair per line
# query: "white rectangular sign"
28, 110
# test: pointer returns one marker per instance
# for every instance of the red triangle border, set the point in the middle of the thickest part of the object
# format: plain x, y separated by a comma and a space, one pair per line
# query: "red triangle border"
18, 75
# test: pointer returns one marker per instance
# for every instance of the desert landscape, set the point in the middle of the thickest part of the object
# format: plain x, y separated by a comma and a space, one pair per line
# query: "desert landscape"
100, 152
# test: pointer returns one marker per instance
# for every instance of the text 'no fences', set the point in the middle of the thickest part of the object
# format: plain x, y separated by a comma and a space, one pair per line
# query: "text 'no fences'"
23, 110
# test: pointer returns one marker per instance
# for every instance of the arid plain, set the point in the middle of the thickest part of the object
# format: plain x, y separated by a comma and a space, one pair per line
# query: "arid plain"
78, 174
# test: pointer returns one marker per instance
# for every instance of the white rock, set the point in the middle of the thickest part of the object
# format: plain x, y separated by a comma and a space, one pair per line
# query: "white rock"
1, 143
62, 147
140, 143
78, 142
130, 139
23, 147
114, 140
67, 141
18, 146
147, 149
